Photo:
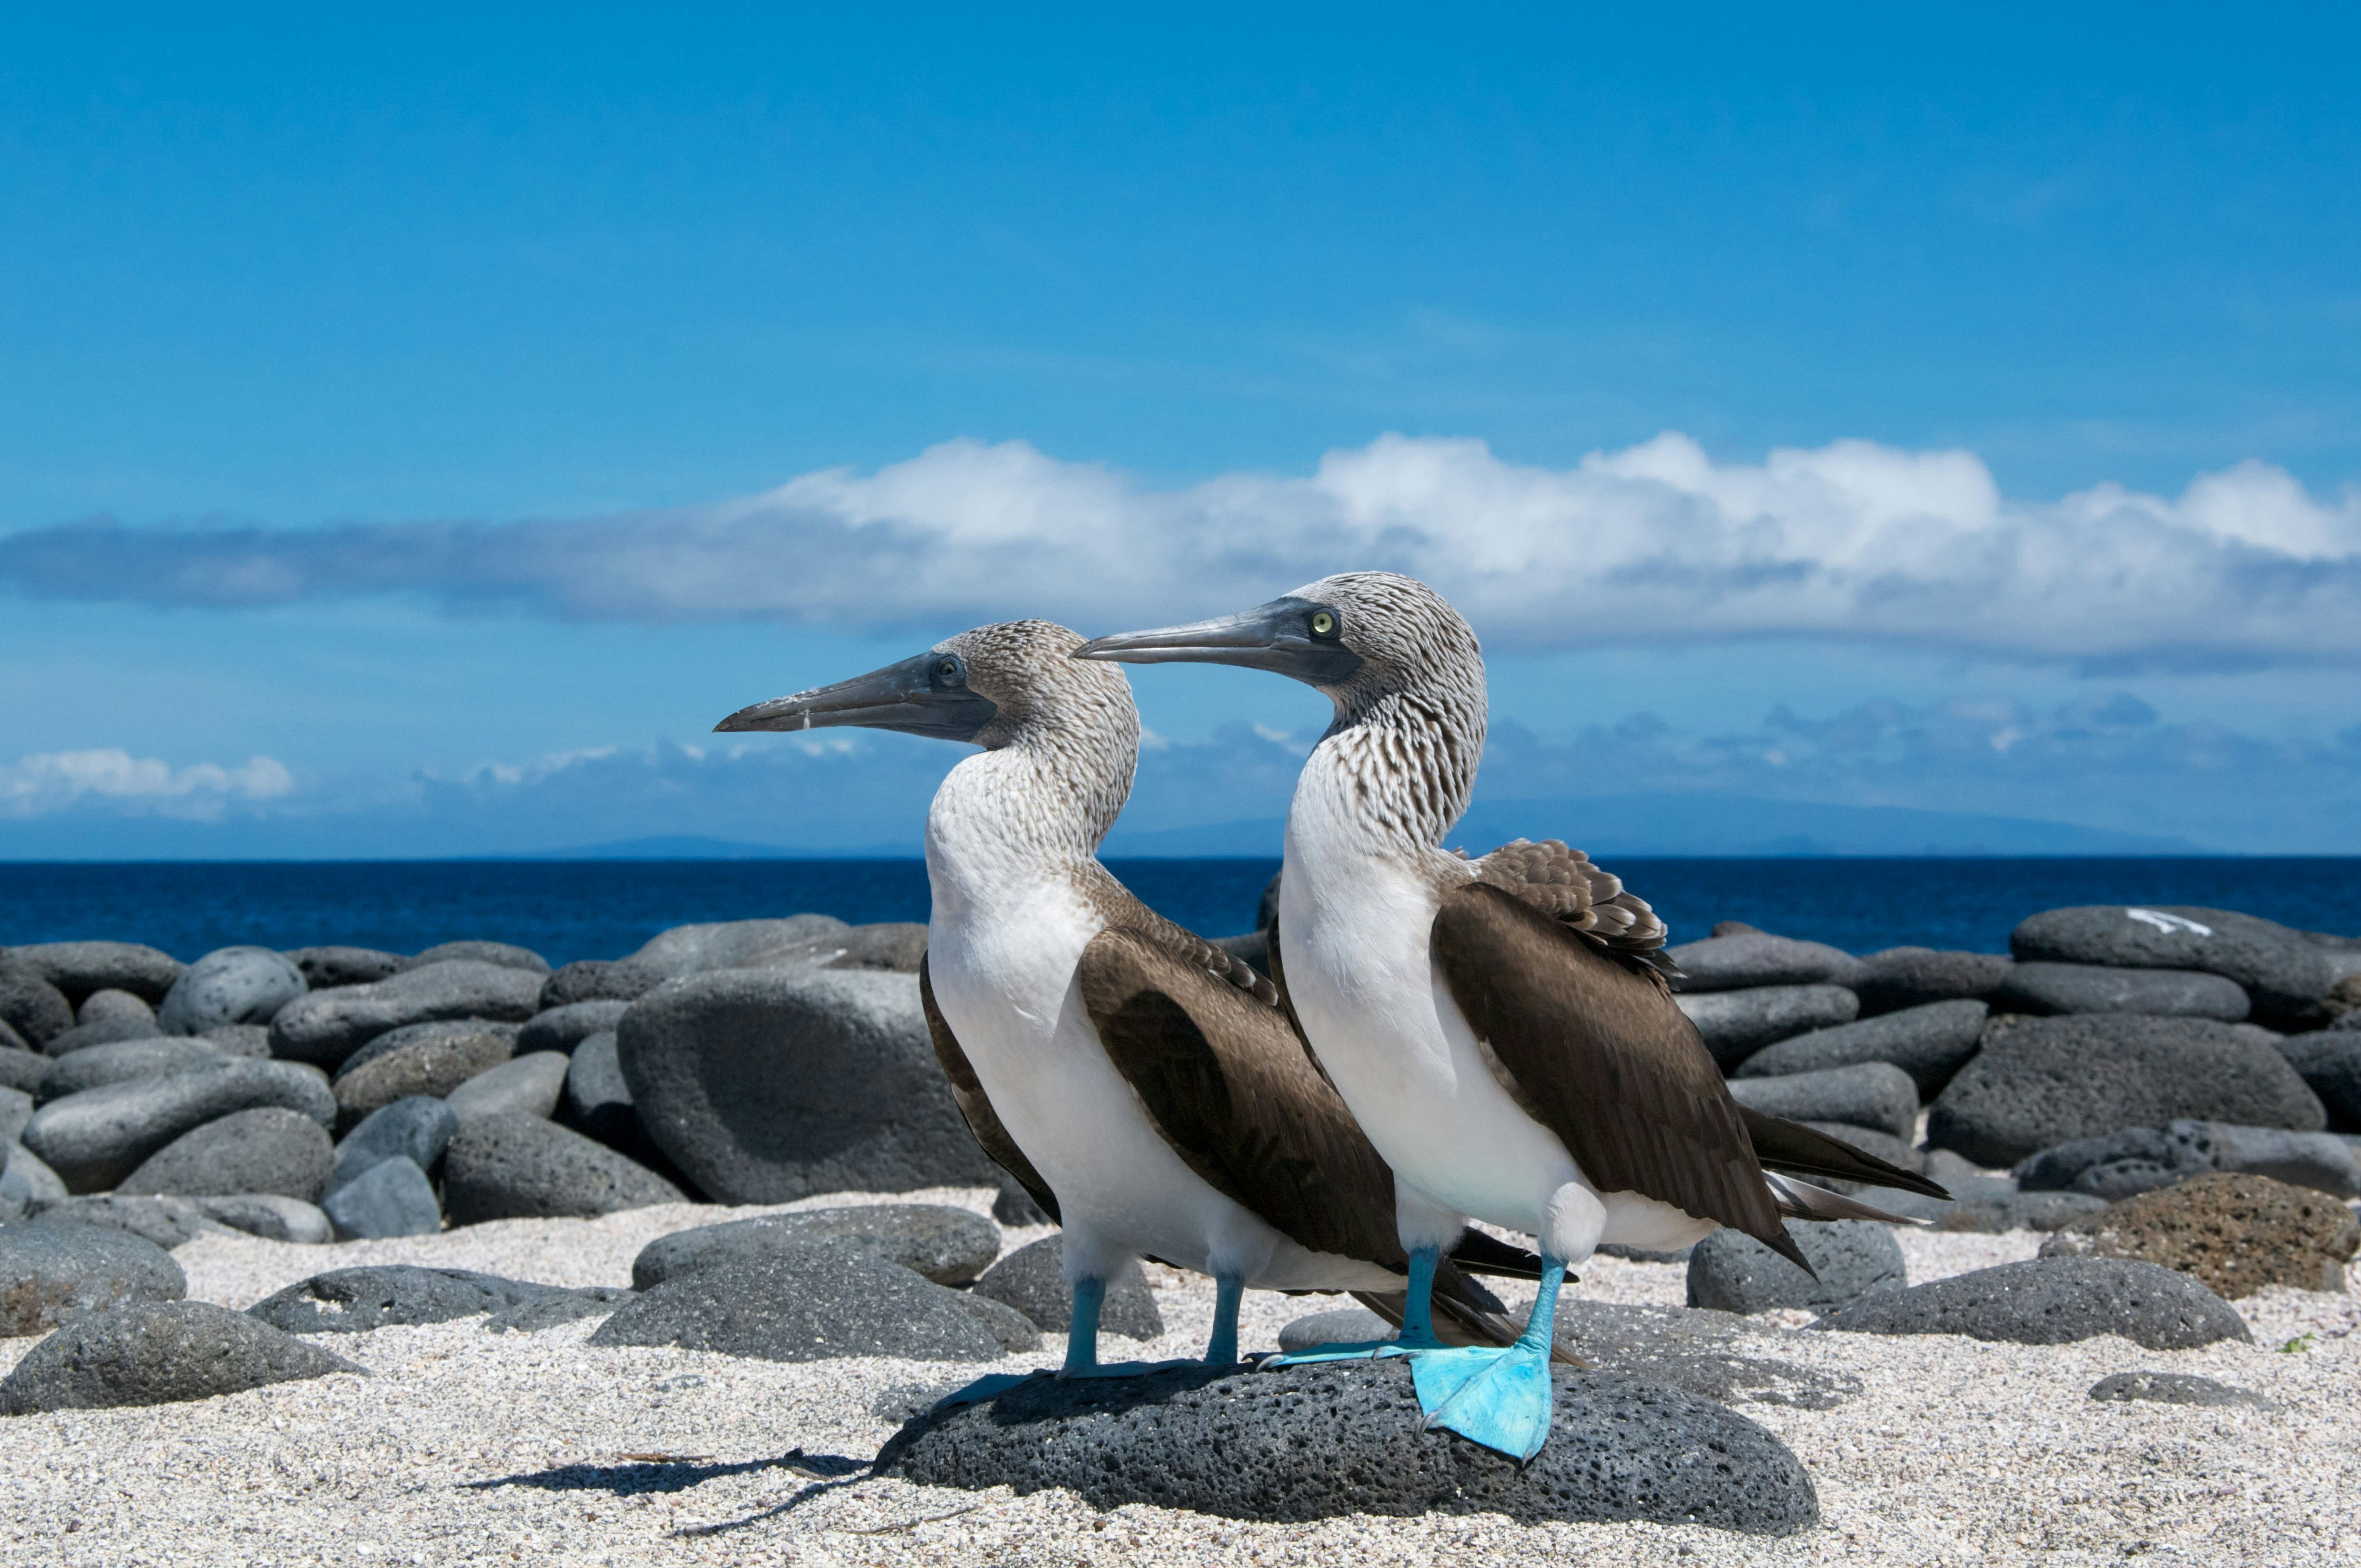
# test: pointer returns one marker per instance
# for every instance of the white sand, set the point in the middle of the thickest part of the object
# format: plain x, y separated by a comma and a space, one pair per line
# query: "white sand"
470, 1447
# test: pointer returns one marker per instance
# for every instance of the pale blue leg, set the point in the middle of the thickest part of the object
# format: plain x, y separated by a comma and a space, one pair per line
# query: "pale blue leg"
1083, 1340
1082, 1351
1082, 1333
1418, 1323
1500, 1398
1222, 1350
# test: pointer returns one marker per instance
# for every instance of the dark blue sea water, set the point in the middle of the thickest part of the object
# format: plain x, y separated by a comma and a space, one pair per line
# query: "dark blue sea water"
603, 909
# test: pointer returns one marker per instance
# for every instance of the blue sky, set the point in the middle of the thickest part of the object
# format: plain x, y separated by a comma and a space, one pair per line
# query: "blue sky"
413, 426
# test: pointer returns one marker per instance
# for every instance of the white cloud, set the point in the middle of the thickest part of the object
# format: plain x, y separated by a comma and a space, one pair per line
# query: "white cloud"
53, 781
1656, 543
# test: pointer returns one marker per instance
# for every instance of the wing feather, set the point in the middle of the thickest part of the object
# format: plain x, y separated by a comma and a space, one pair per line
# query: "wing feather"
1227, 1083
1561, 882
1613, 1066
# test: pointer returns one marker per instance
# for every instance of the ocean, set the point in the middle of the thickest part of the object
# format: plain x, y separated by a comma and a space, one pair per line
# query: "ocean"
604, 909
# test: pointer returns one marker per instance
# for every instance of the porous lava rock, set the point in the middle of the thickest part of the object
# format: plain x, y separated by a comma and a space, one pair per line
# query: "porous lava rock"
2234, 1232
1324, 1441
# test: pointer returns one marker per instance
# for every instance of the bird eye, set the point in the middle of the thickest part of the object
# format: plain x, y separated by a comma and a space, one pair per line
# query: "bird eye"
948, 670
1323, 624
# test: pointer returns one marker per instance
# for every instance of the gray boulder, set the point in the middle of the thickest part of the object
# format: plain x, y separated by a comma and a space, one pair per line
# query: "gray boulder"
95, 1139
1758, 958
598, 1101
230, 985
949, 1246
506, 955
328, 1027
2044, 1212
239, 1039
893, 946
1015, 1206
417, 1129
16, 1110
324, 969
558, 1307
527, 1085
731, 944
598, 980
799, 941
770, 1085
52, 1273
166, 1221
1915, 977
1737, 1024
815, 1302
2042, 1082
121, 1062
1730, 1271
158, 1353
100, 1032
514, 1166
2287, 976
33, 1008
101, 1006
433, 1063
393, 1040
1873, 1094
26, 1186
78, 969
1931, 1043
2329, 1062
1348, 1438
271, 1215
354, 1301
2050, 988
22, 1069
1033, 1280
563, 1028
2053, 1300
2170, 1389
392, 1198
268, 1149
2123, 1164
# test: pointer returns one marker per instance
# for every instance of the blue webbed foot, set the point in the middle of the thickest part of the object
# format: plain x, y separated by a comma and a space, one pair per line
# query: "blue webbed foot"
1352, 1349
1500, 1398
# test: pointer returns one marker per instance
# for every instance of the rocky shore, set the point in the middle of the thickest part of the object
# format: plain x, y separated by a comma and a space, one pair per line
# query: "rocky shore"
307, 1252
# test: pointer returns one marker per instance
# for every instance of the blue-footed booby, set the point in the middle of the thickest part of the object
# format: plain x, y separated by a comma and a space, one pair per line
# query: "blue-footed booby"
1140, 1083
1502, 1028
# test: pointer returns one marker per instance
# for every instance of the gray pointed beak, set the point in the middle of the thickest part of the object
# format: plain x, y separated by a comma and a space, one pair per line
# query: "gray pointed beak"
909, 696
1276, 637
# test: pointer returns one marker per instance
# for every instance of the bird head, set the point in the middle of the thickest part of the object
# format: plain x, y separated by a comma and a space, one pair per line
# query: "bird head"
986, 687
1357, 634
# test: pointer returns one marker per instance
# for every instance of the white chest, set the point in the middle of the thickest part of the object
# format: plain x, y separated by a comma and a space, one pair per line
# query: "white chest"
1355, 927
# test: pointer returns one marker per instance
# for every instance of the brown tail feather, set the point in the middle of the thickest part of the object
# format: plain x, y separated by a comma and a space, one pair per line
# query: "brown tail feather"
1480, 1252
1798, 1150
1802, 1200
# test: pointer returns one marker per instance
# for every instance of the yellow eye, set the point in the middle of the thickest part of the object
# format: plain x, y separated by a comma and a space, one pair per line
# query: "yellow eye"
1322, 624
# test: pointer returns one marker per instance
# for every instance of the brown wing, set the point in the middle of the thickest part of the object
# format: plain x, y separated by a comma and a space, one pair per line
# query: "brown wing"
1227, 1083
1604, 1059
968, 1091
1562, 884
